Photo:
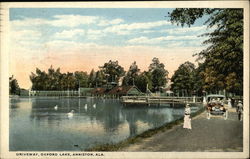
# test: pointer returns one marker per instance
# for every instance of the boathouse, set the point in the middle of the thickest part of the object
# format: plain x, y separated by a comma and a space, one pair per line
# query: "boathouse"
119, 91
99, 92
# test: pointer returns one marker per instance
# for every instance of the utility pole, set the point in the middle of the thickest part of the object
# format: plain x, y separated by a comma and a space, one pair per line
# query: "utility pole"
79, 90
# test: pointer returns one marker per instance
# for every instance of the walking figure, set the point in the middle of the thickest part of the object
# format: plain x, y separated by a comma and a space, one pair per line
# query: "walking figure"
187, 118
239, 110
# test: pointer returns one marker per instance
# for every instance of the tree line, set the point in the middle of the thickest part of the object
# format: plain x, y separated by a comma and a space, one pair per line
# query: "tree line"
110, 73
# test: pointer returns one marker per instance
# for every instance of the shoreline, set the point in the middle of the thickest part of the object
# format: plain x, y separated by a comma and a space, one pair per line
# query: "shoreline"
146, 134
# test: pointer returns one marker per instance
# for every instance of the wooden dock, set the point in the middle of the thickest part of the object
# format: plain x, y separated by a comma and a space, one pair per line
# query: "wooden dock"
159, 100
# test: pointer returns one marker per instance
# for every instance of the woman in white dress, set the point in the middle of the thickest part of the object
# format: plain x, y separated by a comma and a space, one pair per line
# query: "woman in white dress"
187, 118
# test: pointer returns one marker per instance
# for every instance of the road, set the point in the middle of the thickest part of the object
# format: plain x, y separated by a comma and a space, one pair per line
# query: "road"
214, 135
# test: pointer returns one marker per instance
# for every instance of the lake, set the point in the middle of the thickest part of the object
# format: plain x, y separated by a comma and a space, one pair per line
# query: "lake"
35, 125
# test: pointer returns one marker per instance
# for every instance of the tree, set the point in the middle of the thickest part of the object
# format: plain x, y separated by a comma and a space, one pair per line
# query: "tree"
183, 79
13, 86
224, 52
81, 78
91, 79
131, 75
39, 80
71, 81
99, 80
158, 74
142, 81
112, 71
53, 80
198, 79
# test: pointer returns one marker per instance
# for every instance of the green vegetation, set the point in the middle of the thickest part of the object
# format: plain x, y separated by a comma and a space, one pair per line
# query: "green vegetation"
108, 74
55, 80
184, 79
221, 65
155, 78
131, 75
158, 74
14, 88
113, 71
120, 145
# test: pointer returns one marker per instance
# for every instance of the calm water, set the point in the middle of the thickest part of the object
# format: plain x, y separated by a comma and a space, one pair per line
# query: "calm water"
36, 126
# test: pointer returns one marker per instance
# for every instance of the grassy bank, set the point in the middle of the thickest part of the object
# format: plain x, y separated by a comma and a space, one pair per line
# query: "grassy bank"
118, 146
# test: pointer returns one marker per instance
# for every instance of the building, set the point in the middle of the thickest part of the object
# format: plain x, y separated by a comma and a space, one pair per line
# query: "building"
119, 91
99, 92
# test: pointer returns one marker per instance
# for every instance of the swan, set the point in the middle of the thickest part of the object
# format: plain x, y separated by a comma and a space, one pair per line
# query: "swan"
94, 106
70, 114
56, 107
86, 106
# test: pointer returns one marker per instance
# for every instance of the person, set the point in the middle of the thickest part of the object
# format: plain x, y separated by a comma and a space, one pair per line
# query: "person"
239, 110
229, 103
187, 118
218, 101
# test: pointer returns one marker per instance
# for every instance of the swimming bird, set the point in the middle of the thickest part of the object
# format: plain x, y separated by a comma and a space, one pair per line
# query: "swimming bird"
94, 106
86, 106
56, 107
70, 114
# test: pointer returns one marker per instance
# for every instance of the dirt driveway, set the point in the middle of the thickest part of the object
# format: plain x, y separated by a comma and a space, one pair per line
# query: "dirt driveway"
212, 135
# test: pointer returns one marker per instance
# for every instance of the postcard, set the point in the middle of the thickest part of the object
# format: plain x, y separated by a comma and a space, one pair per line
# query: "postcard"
125, 79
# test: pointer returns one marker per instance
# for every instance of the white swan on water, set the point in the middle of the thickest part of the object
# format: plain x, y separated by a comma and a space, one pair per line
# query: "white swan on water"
94, 106
86, 106
56, 107
70, 114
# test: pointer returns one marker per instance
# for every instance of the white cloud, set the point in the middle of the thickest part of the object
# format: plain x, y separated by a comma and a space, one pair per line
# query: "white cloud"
148, 31
186, 30
25, 35
123, 29
146, 40
28, 22
187, 37
58, 21
106, 22
68, 46
141, 40
67, 34
95, 34
72, 20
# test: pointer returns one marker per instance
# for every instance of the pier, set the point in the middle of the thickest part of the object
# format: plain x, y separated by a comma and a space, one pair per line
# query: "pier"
159, 100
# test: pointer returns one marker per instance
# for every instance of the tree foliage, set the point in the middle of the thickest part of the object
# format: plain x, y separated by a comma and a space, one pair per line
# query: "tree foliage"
55, 80
158, 74
99, 79
112, 71
142, 81
107, 76
183, 79
13, 86
82, 78
223, 56
131, 75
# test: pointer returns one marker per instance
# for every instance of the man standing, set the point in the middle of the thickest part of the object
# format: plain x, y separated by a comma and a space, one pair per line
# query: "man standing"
239, 110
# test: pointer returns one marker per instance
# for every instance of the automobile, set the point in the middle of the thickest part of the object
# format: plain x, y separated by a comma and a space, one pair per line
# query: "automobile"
216, 106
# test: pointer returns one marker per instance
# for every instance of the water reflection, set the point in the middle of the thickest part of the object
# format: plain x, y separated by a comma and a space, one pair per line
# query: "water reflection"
94, 121
110, 114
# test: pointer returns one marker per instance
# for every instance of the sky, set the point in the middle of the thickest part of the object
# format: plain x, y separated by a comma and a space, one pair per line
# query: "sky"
82, 39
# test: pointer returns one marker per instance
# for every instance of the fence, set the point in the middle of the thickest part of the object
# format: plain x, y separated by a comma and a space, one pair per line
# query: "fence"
56, 93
